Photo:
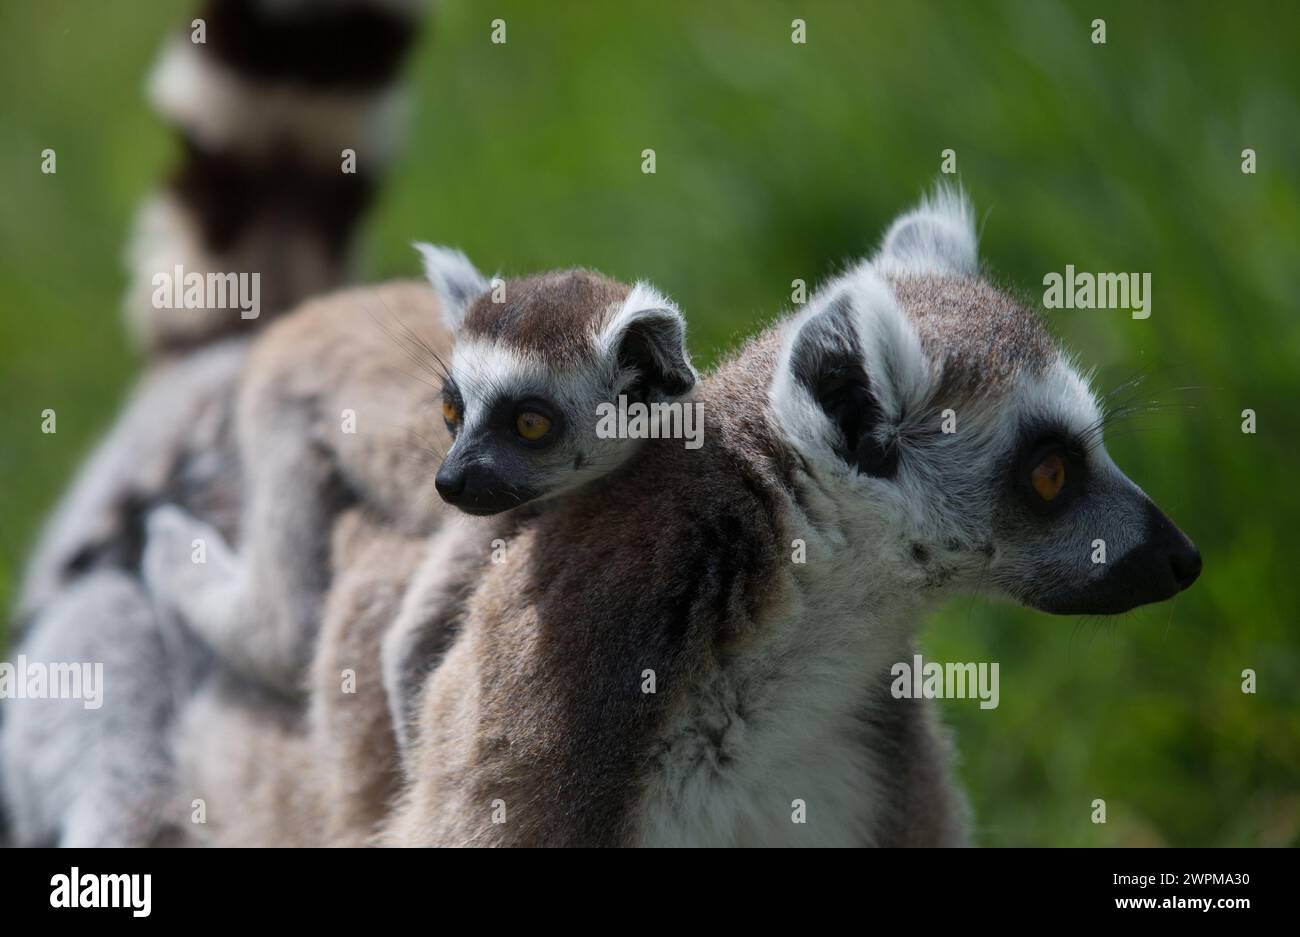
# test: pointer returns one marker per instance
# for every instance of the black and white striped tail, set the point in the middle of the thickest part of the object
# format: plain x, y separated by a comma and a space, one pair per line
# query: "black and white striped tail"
267, 107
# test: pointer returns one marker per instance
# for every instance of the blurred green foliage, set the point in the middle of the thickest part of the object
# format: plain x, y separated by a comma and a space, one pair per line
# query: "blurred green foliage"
778, 161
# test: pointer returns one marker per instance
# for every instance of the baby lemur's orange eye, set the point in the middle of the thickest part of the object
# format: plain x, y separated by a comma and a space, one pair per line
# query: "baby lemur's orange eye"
1049, 477
450, 412
532, 426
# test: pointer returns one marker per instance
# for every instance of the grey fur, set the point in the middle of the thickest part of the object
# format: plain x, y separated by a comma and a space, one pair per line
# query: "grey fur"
302, 463
434, 604
65, 765
103, 777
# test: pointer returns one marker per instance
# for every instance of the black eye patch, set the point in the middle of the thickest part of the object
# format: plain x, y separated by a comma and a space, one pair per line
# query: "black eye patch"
1037, 444
501, 421
452, 401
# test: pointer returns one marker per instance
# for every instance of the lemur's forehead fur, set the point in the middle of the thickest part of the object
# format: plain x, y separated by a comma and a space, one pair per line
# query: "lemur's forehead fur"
981, 338
555, 316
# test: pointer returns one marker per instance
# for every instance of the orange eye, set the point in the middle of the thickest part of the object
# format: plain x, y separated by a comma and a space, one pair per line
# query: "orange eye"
532, 426
450, 412
1049, 477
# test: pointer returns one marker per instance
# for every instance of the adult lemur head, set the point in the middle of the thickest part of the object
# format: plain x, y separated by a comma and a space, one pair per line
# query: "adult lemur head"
938, 419
533, 359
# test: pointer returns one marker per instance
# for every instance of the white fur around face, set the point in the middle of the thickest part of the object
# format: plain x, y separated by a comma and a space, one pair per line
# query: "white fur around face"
484, 371
482, 368
1061, 394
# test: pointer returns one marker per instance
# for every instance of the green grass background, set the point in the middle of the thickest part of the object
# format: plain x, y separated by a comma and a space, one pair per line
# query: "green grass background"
778, 161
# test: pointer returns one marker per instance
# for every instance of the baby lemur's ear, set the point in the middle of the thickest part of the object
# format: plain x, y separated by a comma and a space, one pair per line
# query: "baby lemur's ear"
455, 281
936, 237
646, 337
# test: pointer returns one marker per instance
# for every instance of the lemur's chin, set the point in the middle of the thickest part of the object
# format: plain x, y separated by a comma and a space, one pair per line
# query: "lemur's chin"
1101, 603
1163, 564
488, 510
488, 503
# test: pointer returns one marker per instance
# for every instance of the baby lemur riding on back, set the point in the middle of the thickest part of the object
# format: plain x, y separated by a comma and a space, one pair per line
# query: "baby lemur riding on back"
329, 414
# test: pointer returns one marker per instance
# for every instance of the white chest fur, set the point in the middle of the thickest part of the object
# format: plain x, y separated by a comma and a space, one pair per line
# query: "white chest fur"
770, 747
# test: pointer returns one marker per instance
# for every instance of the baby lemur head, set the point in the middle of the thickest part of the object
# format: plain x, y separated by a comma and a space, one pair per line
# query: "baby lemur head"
533, 359
957, 442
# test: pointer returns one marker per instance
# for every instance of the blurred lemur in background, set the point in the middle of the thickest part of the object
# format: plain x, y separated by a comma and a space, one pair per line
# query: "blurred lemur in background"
258, 190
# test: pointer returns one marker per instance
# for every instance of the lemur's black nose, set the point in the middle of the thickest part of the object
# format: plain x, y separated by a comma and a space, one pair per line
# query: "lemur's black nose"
449, 484
1186, 564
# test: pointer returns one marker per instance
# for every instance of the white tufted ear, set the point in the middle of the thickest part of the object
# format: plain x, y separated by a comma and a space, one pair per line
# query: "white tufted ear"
938, 236
647, 335
455, 281
852, 342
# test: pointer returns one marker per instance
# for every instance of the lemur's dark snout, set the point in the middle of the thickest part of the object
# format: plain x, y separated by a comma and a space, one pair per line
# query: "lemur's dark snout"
477, 489
1163, 564
1160, 565
1168, 547
1186, 565
449, 484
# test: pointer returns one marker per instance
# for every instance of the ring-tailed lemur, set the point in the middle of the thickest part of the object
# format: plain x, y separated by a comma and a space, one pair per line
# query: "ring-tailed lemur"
654, 665
328, 415
259, 190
